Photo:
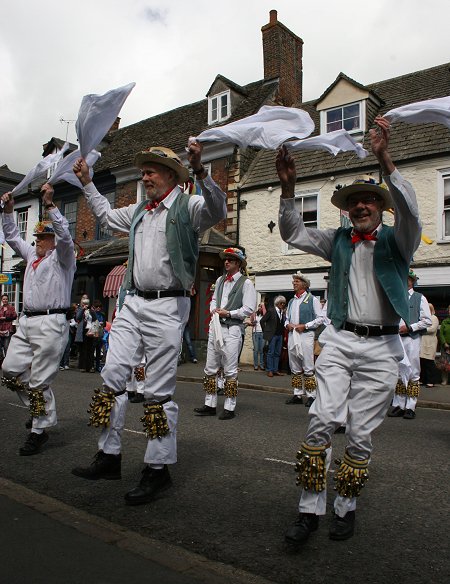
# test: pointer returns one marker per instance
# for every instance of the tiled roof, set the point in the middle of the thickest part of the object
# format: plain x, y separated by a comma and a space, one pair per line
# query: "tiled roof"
174, 127
10, 174
407, 141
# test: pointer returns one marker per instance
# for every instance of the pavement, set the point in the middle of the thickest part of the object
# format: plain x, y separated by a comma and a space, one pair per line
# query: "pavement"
90, 550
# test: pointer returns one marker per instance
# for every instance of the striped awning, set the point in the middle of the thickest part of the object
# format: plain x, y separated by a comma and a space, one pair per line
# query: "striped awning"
113, 281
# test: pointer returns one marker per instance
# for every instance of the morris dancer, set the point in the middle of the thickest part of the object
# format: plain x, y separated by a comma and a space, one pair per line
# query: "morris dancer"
35, 351
361, 347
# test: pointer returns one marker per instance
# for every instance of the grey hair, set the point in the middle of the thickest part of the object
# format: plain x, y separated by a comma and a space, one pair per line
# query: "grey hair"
279, 299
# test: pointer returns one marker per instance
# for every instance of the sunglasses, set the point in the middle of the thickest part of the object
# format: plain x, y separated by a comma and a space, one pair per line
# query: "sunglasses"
365, 200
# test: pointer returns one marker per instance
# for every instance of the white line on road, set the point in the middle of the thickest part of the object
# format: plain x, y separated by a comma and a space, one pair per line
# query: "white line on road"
280, 461
134, 431
18, 406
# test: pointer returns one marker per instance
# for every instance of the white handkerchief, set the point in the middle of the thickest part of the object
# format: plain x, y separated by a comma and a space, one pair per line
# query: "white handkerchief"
333, 142
40, 169
270, 127
64, 170
420, 112
297, 341
217, 331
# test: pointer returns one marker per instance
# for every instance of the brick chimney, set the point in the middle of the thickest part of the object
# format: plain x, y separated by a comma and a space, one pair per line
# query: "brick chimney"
282, 51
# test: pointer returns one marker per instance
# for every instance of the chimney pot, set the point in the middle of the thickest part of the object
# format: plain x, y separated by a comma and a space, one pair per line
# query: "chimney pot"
273, 17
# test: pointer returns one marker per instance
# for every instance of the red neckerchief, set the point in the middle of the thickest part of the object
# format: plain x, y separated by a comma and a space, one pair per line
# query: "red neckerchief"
358, 236
37, 262
153, 204
229, 278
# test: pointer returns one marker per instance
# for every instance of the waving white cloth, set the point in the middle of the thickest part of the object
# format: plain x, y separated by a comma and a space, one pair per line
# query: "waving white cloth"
420, 112
217, 331
297, 343
333, 142
270, 127
64, 170
404, 368
40, 169
97, 114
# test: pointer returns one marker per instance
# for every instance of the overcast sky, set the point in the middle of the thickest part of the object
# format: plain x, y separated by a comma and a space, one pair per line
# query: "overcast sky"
53, 52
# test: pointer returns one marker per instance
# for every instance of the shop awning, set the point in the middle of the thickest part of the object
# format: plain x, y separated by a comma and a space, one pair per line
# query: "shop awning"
113, 281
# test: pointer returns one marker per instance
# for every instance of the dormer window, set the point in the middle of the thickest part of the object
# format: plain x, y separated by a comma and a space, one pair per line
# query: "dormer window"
219, 107
348, 117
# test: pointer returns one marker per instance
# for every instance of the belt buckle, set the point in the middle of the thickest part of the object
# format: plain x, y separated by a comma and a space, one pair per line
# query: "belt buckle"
359, 328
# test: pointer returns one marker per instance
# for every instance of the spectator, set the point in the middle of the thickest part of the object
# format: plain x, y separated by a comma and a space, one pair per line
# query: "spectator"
7, 317
98, 337
444, 336
429, 375
64, 364
84, 317
258, 338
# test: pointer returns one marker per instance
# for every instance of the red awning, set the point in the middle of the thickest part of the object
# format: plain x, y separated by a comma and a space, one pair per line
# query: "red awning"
113, 281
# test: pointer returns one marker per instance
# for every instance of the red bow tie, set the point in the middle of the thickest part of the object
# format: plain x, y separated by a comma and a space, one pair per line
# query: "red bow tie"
229, 279
357, 236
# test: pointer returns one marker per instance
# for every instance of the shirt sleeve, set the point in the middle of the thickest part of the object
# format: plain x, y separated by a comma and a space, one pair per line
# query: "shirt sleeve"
64, 244
213, 303
407, 226
208, 209
117, 219
424, 317
22, 248
313, 324
294, 232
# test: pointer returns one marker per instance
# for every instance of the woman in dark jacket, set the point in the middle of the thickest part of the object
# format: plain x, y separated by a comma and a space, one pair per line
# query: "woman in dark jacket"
84, 317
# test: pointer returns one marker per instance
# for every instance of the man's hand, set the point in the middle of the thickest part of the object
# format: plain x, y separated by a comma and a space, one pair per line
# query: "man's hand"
8, 202
194, 154
81, 170
47, 194
379, 139
403, 329
287, 174
222, 312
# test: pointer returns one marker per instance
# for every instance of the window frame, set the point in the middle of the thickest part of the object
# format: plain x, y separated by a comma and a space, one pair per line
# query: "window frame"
362, 117
64, 205
286, 249
442, 176
18, 211
219, 117
106, 233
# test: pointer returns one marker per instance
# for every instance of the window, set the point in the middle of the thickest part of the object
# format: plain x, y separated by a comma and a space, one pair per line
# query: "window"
444, 204
102, 232
22, 222
348, 117
70, 213
306, 205
219, 107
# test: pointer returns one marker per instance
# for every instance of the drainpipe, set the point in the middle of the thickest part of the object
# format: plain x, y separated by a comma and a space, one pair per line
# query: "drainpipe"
238, 218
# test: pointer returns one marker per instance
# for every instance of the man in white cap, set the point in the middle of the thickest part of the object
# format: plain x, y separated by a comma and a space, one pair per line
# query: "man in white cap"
234, 299
303, 316
357, 368
163, 252
32, 361
408, 384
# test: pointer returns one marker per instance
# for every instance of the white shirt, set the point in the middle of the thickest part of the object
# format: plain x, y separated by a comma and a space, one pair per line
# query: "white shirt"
248, 298
50, 284
152, 269
368, 304
293, 312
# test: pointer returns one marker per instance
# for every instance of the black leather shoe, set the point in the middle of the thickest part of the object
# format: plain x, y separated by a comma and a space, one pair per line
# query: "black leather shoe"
396, 412
294, 400
205, 411
299, 531
33, 444
153, 481
226, 415
342, 527
137, 398
219, 391
309, 402
409, 415
104, 466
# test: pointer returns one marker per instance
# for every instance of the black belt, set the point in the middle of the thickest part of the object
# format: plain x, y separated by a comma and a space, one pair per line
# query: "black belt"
159, 403
154, 294
44, 312
365, 330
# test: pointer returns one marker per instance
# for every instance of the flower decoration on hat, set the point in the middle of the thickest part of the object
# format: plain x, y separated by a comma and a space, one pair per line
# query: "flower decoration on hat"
412, 275
44, 228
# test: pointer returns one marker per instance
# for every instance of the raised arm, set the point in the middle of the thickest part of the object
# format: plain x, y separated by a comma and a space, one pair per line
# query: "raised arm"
63, 242
12, 236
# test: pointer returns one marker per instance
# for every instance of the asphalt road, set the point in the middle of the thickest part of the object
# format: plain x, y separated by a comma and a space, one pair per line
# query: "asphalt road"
234, 489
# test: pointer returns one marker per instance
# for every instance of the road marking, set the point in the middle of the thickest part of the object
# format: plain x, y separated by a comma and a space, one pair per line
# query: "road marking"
280, 461
18, 406
134, 431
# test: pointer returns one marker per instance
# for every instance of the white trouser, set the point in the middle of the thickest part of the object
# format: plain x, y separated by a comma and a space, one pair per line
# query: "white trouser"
227, 357
157, 325
306, 363
412, 352
358, 372
133, 385
33, 358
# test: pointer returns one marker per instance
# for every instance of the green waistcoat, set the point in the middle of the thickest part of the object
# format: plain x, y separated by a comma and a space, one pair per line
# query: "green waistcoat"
235, 299
181, 238
391, 271
306, 309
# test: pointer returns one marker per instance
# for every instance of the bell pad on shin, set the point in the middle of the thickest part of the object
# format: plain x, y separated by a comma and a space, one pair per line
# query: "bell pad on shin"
311, 467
